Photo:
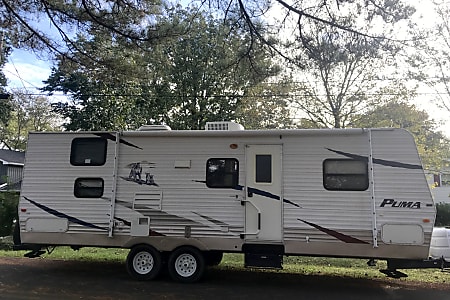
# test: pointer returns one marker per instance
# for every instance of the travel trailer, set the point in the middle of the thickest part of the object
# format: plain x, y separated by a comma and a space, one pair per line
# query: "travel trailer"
180, 199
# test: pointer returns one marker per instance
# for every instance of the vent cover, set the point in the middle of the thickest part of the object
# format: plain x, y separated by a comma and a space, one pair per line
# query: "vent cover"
154, 128
230, 126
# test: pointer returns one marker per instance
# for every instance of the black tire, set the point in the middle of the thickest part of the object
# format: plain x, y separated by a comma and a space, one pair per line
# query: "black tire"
213, 258
144, 262
186, 264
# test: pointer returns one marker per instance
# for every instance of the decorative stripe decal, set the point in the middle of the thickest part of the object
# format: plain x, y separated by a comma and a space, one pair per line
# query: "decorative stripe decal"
270, 195
216, 222
128, 223
383, 162
338, 235
258, 192
63, 215
112, 137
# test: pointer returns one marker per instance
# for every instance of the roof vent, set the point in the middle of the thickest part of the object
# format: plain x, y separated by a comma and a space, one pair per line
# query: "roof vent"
230, 126
154, 128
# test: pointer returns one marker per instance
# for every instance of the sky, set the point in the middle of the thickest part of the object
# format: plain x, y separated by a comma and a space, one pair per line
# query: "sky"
24, 70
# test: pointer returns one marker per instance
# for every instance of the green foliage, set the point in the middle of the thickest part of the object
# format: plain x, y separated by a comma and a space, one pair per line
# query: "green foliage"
442, 215
28, 113
5, 104
5, 112
196, 75
8, 211
266, 106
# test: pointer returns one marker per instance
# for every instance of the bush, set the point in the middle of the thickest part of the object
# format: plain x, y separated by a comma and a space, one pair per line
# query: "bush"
442, 215
8, 212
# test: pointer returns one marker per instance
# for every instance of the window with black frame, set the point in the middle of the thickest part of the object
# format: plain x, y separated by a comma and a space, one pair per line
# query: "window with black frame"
345, 175
88, 187
222, 172
88, 152
263, 166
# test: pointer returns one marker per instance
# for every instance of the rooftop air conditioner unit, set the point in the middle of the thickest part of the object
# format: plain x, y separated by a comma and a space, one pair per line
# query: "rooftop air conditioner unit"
222, 125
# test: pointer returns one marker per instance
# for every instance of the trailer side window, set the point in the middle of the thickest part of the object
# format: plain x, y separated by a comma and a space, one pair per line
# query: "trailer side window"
222, 173
88, 187
345, 175
88, 152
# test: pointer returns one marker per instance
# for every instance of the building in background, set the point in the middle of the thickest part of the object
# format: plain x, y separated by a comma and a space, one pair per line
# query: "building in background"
440, 184
11, 168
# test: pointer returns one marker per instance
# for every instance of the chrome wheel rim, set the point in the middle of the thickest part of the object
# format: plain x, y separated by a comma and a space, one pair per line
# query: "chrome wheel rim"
143, 263
186, 265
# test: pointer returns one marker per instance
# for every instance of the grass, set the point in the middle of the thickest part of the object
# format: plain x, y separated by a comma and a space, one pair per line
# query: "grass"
341, 267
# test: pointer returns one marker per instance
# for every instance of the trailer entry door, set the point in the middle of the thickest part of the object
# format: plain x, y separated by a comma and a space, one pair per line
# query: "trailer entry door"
264, 200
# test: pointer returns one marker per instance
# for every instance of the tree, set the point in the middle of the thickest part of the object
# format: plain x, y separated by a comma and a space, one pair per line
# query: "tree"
140, 25
29, 114
442, 215
432, 145
8, 212
5, 103
208, 73
267, 106
108, 82
135, 20
294, 21
195, 77
432, 56
27, 22
342, 75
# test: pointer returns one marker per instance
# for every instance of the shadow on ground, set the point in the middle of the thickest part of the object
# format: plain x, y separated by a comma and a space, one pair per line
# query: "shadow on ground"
22, 278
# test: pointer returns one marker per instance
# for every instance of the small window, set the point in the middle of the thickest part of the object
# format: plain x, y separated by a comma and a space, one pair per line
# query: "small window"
88, 152
445, 179
222, 173
263, 168
88, 187
345, 175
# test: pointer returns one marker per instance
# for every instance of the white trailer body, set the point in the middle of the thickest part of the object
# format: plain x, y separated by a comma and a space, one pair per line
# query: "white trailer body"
337, 192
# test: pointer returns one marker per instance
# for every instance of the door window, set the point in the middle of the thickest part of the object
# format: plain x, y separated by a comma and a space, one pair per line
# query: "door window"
263, 168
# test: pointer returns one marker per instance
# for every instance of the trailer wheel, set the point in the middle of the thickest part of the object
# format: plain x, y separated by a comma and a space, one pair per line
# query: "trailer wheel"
186, 264
144, 262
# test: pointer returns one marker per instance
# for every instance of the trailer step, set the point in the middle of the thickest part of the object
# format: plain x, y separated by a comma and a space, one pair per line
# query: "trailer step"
263, 261
263, 255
